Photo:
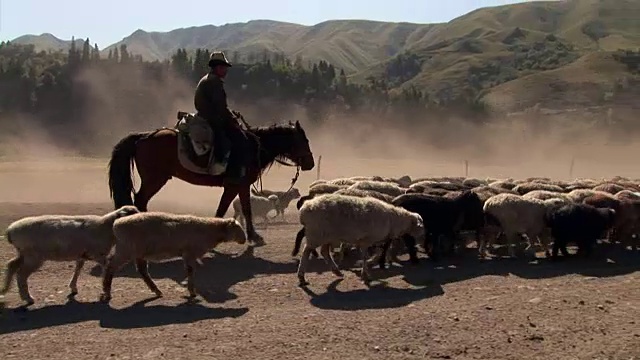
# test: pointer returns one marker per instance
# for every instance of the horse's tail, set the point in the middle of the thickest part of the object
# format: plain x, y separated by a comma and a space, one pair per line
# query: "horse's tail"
120, 167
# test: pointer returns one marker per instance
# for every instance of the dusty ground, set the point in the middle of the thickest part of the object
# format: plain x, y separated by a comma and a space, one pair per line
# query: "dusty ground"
251, 307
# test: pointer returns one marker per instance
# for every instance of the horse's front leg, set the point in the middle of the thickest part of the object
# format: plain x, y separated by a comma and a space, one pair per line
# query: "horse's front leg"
228, 195
245, 202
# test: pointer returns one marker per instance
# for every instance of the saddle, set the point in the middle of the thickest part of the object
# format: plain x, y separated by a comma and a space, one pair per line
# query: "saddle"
196, 144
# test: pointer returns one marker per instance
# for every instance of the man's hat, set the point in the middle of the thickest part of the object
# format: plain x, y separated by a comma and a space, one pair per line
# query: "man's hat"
218, 58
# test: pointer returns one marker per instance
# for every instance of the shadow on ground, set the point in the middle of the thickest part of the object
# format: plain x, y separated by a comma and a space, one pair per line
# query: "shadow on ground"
135, 316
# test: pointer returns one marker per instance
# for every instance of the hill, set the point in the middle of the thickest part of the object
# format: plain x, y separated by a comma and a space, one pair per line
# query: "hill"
46, 42
482, 53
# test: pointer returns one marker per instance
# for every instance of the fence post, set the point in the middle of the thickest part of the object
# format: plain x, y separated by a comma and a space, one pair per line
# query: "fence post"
318, 168
466, 168
573, 163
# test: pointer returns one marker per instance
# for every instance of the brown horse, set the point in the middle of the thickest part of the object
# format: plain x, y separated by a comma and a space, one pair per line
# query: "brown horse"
156, 157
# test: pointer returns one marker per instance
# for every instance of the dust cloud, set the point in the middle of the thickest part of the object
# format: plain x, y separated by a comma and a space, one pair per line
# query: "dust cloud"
36, 167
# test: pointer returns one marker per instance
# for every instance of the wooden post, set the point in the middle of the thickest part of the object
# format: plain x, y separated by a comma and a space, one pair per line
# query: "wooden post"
466, 168
318, 167
573, 163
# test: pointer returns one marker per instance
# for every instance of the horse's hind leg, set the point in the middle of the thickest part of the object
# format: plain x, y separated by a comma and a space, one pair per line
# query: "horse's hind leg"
148, 189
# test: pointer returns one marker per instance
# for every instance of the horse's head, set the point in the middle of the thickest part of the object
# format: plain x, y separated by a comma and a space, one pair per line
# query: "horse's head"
300, 151
286, 141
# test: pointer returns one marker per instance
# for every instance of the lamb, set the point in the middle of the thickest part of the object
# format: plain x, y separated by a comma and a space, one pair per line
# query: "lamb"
284, 198
516, 215
59, 238
582, 222
365, 222
156, 236
260, 206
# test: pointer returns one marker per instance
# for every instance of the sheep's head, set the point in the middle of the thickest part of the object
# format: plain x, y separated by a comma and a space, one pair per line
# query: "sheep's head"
124, 211
235, 232
416, 230
609, 215
294, 193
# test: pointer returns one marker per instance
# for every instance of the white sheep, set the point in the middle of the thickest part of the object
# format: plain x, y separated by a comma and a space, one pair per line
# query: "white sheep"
260, 207
578, 195
545, 195
331, 219
156, 236
387, 188
518, 215
59, 238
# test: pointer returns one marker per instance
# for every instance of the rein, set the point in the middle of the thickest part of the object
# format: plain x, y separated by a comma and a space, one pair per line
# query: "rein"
248, 128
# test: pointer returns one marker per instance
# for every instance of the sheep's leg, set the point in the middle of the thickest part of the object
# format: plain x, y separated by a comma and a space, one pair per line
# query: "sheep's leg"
73, 284
12, 268
511, 243
114, 263
29, 266
189, 265
364, 274
325, 250
143, 269
302, 265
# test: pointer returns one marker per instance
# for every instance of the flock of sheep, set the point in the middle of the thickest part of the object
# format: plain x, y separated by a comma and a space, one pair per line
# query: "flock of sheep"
370, 213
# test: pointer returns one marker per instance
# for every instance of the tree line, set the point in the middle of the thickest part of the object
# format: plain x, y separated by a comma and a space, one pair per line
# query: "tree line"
57, 89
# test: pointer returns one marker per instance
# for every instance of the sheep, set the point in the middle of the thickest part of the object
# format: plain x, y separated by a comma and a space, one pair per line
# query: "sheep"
627, 224
325, 189
318, 182
516, 215
284, 198
627, 194
358, 193
156, 236
363, 221
443, 216
59, 238
582, 222
390, 189
610, 188
364, 193
545, 195
503, 184
578, 195
531, 186
260, 206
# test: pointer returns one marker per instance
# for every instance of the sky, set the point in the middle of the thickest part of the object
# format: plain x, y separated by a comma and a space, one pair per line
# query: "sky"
108, 21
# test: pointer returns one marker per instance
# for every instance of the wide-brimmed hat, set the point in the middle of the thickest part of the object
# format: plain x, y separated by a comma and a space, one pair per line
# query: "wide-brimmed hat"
218, 58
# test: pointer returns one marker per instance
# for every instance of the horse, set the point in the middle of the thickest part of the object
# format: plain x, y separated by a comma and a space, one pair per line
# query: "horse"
155, 154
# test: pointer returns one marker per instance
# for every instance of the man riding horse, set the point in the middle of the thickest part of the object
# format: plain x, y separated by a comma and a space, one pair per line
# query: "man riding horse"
210, 101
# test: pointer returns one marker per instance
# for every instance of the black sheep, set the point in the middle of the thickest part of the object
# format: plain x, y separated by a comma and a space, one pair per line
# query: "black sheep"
443, 217
581, 223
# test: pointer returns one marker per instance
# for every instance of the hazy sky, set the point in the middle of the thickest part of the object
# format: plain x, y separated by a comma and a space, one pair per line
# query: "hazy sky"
108, 21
